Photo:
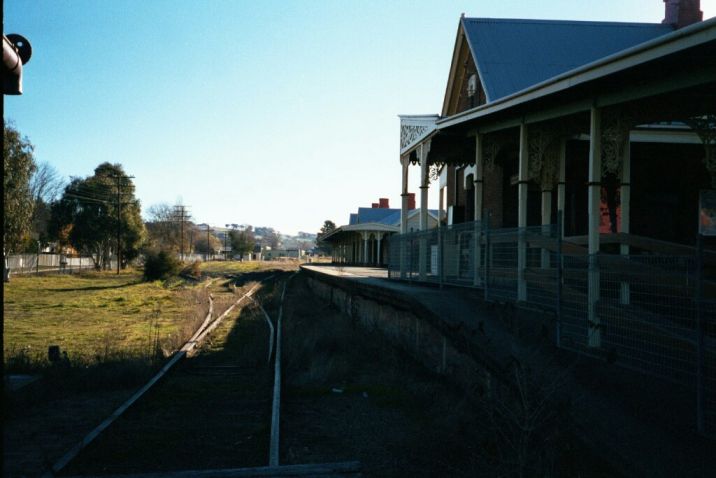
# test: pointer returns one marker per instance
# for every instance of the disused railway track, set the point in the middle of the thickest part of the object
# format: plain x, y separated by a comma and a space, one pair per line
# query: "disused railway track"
210, 414
209, 324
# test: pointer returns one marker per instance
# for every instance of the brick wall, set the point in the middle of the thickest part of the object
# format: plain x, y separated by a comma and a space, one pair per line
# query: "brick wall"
465, 102
492, 195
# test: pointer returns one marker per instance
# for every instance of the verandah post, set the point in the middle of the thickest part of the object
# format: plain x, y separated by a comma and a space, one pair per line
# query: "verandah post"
698, 292
522, 190
486, 280
594, 336
559, 265
478, 183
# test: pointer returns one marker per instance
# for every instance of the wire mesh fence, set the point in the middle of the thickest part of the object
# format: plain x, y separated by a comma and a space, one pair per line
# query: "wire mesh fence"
655, 314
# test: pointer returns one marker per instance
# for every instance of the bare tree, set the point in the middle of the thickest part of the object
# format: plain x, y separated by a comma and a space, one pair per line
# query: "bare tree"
163, 228
46, 183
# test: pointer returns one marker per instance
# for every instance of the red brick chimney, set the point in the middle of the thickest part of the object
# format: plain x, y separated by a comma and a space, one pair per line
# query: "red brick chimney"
411, 201
681, 13
375, 205
384, 203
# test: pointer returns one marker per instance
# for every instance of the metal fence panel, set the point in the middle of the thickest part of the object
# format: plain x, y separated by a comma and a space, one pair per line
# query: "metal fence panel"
643, 312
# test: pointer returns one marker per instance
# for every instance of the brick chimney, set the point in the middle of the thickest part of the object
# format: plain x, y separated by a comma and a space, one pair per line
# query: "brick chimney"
681, 13
375, 205
411, 201
384, 203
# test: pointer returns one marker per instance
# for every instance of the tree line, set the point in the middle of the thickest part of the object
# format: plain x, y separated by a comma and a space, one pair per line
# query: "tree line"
98, 215
167, 229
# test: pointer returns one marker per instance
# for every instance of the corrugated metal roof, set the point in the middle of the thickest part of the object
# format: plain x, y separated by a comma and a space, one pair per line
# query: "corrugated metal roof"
512, 55
374, 214
389, 216
392, 219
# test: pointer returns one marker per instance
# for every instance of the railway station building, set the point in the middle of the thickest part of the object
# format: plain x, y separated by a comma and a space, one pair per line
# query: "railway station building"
365, 239
572, 161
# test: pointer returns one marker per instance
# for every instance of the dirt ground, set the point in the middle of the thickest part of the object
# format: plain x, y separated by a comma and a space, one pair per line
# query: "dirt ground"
37, 432
351, 395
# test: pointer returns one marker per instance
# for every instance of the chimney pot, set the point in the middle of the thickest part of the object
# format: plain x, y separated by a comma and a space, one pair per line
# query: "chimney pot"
375, 205
682, 13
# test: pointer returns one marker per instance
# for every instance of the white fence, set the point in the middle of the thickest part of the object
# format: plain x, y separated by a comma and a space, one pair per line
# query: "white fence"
28, 263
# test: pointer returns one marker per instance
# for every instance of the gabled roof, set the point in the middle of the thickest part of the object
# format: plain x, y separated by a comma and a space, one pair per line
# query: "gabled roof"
685, 44
374, 220
373, 214
512, 55
393, 219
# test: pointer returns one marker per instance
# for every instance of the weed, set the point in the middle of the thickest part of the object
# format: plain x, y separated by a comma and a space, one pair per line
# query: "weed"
192, 270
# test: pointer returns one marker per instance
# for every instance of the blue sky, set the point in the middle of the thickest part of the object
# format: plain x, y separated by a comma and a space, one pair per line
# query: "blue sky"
271, 113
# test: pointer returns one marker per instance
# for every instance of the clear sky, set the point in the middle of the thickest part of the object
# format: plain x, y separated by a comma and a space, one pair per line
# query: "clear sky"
271, 113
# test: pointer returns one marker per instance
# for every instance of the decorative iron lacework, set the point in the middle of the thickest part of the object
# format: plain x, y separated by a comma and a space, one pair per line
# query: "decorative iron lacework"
409, 133
549, 175
705, 127
434, 172
539, 138
544, 143
490, 150
616, 124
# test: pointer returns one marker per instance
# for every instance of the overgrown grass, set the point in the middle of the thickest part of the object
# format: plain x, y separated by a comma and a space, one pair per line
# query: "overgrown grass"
237, 267
96, 317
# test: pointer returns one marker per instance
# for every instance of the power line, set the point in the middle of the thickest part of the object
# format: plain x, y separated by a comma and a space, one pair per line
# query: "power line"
95, 200
84, 198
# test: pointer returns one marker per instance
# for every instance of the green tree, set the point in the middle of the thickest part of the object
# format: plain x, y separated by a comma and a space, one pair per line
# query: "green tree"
242, 242
328, 227
18, 168
93, 210
160, 264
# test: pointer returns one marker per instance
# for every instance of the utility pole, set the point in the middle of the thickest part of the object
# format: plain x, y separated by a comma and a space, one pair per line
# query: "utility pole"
208, 230
119, 217
181, 213
226, 236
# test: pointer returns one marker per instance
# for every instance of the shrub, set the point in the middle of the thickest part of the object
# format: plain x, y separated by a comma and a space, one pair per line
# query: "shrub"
160, 265
193, 270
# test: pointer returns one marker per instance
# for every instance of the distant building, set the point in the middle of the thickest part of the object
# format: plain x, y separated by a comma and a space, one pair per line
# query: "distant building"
268, 254
364, 240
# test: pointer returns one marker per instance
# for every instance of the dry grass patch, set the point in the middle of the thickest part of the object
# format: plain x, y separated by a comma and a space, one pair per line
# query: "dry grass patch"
96, 316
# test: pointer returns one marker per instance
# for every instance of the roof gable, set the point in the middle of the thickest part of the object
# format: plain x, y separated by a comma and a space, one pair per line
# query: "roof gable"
512, 55
462, 67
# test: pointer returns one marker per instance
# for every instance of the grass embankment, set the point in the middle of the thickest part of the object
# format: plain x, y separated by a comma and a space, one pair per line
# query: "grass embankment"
94, 316
237, 267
